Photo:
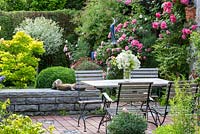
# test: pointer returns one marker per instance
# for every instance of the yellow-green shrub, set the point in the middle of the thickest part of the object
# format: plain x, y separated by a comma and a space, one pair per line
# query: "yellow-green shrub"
18, 59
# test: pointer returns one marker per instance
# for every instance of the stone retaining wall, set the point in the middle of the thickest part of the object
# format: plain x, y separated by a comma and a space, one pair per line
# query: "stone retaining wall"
46, 101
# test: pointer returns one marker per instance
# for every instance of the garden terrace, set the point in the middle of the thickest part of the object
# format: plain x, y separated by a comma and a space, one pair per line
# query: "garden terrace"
46, 101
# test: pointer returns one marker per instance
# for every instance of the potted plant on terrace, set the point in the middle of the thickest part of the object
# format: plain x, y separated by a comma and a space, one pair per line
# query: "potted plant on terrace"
190, 9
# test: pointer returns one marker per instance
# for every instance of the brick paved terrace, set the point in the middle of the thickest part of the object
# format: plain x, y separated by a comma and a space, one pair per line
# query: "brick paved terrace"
68, 124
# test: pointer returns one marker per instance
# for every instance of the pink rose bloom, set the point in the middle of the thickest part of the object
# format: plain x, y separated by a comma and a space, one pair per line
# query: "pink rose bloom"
163, 25
108, 50
144, 57
134, 43
123, 36
194, 27
127, 2
140, 46
125, 24
134, 21
158, 15
118, 49
172, 18
155, 25
186, 31
119, 27
160, 35
134, 30
126, 48
167, 7
167, 32
109, 35
185, 2
130, 39
95, 54
183, 36
183, 31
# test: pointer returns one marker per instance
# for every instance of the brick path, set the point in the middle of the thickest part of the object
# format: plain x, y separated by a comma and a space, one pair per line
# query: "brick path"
68, 124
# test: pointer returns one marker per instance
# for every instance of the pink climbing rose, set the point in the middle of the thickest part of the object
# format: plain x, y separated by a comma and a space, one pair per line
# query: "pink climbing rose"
185, 2
126, 48
194, 27
163, 25
167, 6
158, 15
125, 24
172, 18
128, 2
134, 21
155, 25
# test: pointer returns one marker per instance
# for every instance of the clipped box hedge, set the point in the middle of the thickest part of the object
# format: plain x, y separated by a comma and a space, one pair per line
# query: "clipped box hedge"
47, 76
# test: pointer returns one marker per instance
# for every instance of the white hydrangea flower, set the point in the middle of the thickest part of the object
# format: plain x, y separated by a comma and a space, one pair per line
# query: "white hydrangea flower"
127, 60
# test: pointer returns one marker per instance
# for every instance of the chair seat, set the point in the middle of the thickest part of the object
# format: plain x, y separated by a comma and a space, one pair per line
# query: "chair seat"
160, 110
133, 109
89, 101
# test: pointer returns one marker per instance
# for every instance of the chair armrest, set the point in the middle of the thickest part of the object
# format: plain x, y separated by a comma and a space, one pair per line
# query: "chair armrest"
106, 96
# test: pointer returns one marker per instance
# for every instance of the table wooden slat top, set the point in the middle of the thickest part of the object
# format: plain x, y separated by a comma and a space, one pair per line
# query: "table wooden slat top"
114, 83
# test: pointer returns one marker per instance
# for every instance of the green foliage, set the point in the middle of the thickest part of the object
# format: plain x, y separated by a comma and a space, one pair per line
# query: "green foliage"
114, 73
148, 39
195, 41
96, 18
127, 123
18, 60
172, 59
13, 5
3, 109
18, 124
6, 27
45, 30
47, 5
79, 50
47, 76
40, 5
87, 65
75, 4
181, 114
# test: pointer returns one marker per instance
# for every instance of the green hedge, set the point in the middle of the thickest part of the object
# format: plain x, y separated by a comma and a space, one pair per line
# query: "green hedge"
10, 20
40, 5
49, 75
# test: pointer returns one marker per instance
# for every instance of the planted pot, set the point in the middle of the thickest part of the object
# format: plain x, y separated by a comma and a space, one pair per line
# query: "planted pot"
190, 13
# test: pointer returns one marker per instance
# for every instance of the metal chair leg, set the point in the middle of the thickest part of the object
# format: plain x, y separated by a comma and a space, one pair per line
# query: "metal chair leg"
100, 123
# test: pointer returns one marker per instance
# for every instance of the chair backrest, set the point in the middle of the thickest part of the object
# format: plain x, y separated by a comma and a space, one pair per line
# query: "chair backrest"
84, 75
132, 92
144, 73
189, 86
